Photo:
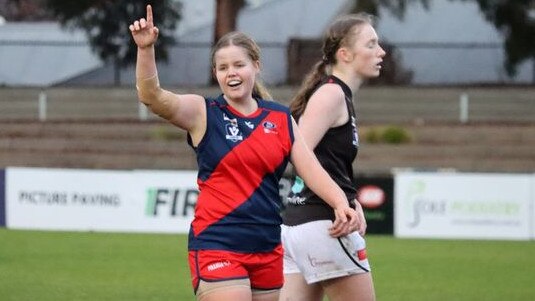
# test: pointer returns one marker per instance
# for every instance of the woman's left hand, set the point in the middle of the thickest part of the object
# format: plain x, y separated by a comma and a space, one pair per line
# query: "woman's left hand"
354, 221
361, 220
345, 221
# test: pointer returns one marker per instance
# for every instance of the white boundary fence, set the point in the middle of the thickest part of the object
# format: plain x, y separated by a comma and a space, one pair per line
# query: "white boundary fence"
426, 205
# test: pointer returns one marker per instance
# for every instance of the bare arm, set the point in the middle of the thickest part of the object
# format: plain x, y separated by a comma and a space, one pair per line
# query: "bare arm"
326, 109
317, 179
186, 111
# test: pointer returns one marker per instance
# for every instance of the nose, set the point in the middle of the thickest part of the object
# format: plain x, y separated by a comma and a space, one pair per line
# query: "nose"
382, 52
231, 71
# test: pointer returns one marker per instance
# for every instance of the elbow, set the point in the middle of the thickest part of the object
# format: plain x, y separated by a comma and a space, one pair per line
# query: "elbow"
152, 95
156, 102
148, 90
146, 96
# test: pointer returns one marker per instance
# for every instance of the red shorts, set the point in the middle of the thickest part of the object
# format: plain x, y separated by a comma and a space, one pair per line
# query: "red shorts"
264, 270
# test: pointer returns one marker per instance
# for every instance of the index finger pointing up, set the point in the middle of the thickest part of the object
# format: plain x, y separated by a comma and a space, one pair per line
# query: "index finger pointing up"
149, 14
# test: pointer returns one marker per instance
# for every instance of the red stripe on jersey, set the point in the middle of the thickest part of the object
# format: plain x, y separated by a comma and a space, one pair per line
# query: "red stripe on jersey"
240, 172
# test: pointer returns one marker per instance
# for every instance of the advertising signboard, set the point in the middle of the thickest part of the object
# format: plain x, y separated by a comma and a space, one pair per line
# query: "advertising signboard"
462, 205
376, 195
2, 198
97, 200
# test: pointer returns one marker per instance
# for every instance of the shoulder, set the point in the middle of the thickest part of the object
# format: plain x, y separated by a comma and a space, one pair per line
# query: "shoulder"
273, 106
328, 95
333, 89
214, 102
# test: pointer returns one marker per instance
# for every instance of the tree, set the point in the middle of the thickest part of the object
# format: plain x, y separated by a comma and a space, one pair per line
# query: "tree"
397, 8
515, 19
23, 10
226, 15
106, 24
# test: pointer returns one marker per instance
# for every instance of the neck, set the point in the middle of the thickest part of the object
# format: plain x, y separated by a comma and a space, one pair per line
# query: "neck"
350, 79
244, 106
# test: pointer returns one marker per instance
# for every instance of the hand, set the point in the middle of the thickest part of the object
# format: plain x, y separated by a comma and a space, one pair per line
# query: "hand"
143, 30
345, 222
361, 220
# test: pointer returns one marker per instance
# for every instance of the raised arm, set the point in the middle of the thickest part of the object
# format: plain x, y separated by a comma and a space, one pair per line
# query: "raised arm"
186, 111
319, 181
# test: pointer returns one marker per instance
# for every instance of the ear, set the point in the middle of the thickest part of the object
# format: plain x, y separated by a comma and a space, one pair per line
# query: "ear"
257, 66
344, 55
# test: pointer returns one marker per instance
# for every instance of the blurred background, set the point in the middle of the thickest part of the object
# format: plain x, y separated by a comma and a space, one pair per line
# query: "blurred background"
456, 90
452, 42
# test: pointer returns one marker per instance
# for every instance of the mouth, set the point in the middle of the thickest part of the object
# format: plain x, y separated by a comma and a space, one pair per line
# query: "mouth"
234, 83
378, 66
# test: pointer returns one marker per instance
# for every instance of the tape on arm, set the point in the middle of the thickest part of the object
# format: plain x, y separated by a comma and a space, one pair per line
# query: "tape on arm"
156, 99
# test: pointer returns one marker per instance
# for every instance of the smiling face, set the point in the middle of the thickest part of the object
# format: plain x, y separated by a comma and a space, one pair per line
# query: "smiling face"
365, 52
235, 72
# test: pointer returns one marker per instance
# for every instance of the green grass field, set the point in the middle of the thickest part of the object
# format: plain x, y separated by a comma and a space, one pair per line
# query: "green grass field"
58, 266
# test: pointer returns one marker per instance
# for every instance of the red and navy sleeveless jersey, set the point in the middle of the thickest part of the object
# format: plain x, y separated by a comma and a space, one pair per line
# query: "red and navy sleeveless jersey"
241, 160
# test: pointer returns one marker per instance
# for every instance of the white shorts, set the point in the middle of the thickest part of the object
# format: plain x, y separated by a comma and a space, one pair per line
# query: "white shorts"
311, 251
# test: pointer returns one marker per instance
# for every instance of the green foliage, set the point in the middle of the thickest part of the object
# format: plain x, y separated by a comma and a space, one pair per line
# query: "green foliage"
373, 135
390, 134
515, 19
106, 24
397, 8
395, 135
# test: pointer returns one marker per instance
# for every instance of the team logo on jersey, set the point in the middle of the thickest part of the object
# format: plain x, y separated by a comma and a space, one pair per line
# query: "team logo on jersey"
249, 124
232, 129
269, 127
233, 133
295, 197
232, 121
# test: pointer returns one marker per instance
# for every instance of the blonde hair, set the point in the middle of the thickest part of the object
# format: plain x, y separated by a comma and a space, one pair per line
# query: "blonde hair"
339, 34
242, 40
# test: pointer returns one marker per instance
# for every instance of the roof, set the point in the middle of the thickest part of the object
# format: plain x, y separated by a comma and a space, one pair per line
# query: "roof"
443, 22
42, 54
450, 43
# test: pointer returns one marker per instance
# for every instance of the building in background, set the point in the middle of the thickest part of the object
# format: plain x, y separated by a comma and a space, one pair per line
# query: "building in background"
450, 44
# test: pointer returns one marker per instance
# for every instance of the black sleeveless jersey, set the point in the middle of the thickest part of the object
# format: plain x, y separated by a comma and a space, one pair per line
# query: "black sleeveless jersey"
336, 152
